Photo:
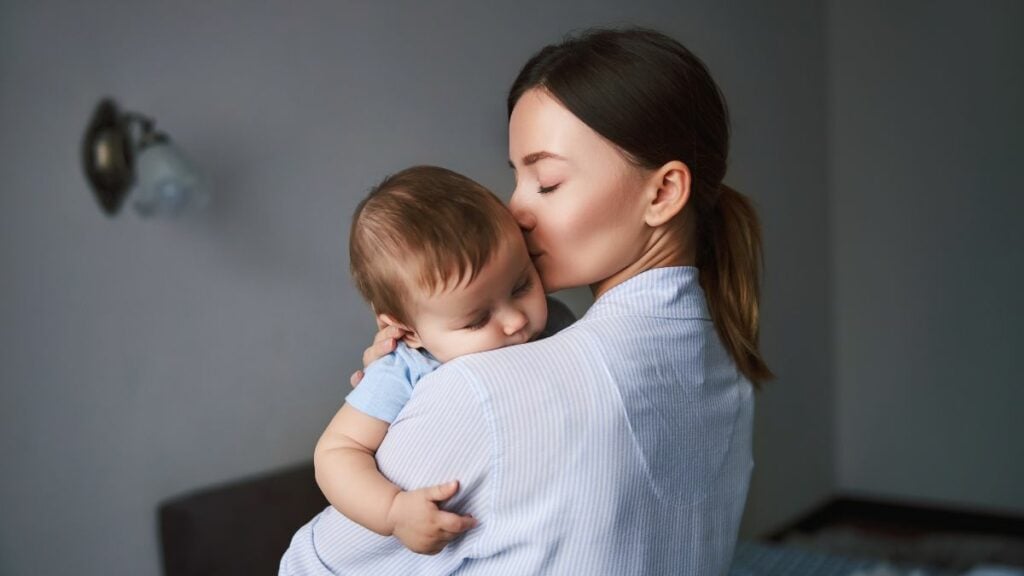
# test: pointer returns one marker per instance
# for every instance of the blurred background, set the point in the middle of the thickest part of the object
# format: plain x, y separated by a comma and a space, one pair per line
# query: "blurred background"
142, 359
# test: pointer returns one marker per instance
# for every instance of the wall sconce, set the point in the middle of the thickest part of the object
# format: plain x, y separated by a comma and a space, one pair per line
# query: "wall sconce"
124, 156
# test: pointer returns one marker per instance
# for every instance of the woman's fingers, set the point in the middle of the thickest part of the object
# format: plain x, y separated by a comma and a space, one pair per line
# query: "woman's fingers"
355, 378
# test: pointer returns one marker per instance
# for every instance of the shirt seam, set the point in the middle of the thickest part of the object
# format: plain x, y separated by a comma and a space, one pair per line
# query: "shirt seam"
662, 497
487, 408
595, 344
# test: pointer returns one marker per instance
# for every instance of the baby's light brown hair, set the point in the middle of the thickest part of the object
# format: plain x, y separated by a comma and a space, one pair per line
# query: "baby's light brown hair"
425, 227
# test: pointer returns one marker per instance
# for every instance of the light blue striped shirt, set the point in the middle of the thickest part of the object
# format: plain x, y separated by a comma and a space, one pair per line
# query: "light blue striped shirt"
620, 445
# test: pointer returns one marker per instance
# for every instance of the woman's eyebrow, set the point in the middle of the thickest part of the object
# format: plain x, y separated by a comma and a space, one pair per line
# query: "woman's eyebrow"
535, 157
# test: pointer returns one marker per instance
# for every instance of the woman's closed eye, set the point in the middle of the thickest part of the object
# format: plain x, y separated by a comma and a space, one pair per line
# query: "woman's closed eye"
547, 189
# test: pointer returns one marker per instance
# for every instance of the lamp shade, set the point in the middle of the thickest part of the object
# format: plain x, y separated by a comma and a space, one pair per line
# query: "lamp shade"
165, 181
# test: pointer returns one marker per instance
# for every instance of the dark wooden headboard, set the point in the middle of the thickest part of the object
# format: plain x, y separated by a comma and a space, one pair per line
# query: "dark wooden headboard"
242, 527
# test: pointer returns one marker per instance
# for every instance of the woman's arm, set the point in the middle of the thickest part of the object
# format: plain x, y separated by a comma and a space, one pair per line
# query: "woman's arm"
347, 475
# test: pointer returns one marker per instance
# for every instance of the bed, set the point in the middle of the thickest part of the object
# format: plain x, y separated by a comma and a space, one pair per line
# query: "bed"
243, 527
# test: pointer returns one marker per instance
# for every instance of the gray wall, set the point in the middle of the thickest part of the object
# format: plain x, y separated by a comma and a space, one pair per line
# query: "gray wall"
142, 359
926, 150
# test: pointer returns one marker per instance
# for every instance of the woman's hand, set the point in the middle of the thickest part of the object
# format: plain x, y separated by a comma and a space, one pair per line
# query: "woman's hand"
383, 343
420, 525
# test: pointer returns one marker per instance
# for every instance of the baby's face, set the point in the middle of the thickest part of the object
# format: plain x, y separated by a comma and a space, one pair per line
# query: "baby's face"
503, 305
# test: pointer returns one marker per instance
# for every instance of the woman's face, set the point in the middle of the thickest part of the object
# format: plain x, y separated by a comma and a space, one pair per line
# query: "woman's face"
577, 199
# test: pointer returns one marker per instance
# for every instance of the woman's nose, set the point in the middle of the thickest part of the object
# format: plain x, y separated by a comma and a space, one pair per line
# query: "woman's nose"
522, 214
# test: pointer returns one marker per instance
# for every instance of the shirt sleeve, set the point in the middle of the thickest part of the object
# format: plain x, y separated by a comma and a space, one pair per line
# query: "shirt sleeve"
442, 434
384, 390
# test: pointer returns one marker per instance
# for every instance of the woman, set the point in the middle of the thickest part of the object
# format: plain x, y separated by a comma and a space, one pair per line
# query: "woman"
621, 445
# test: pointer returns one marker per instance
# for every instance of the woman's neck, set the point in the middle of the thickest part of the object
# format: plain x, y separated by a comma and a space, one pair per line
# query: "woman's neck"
670, 246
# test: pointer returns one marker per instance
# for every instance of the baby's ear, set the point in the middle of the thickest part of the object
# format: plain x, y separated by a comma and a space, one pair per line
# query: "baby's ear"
412, 340
384, 320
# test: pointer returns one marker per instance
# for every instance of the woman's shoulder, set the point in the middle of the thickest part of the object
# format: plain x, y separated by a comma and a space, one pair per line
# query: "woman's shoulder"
560, 344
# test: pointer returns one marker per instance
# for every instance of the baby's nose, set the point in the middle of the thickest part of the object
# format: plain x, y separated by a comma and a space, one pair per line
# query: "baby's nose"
514, 321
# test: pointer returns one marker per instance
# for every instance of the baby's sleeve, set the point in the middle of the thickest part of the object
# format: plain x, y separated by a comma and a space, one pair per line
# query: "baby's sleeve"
384, 390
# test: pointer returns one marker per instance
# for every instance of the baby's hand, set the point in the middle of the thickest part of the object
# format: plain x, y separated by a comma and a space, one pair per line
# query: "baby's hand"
420, 525
383, 343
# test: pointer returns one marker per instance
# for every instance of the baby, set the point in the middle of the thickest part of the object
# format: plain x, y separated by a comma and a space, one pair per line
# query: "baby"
440, 258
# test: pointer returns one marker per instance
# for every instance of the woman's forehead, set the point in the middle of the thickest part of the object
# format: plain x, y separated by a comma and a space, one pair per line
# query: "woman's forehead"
541, 128
539, 123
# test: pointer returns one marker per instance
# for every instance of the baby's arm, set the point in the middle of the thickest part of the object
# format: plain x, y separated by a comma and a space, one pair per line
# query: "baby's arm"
347, 474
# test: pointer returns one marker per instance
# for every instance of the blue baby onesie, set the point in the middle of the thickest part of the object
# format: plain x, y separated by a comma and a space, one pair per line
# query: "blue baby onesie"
387, 383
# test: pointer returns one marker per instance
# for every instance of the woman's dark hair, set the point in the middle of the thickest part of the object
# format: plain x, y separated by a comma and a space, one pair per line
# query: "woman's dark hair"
656, 101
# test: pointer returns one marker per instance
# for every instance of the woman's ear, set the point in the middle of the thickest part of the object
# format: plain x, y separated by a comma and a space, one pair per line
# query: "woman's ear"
670, 185
411, 338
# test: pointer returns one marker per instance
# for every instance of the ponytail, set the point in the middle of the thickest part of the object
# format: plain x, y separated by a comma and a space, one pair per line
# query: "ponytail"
729, 260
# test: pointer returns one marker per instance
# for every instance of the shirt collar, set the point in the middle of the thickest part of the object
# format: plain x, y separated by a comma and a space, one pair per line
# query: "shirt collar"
669, 292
